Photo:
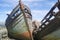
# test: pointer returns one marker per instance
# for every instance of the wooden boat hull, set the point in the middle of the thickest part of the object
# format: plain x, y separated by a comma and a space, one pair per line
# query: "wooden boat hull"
18, 28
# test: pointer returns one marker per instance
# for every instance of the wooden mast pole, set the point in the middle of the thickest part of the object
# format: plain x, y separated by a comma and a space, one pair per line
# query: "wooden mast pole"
22, 9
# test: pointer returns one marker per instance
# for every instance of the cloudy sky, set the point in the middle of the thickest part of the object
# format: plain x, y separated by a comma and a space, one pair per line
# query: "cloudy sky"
39, 8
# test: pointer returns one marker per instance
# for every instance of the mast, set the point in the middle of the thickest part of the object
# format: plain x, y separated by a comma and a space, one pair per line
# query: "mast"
22, 9
58, 0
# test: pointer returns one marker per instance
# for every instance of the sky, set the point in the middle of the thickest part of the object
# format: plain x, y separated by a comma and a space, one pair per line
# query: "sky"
39, 8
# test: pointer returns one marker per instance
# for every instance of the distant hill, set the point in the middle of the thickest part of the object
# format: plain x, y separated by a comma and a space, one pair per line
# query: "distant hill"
2, 24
